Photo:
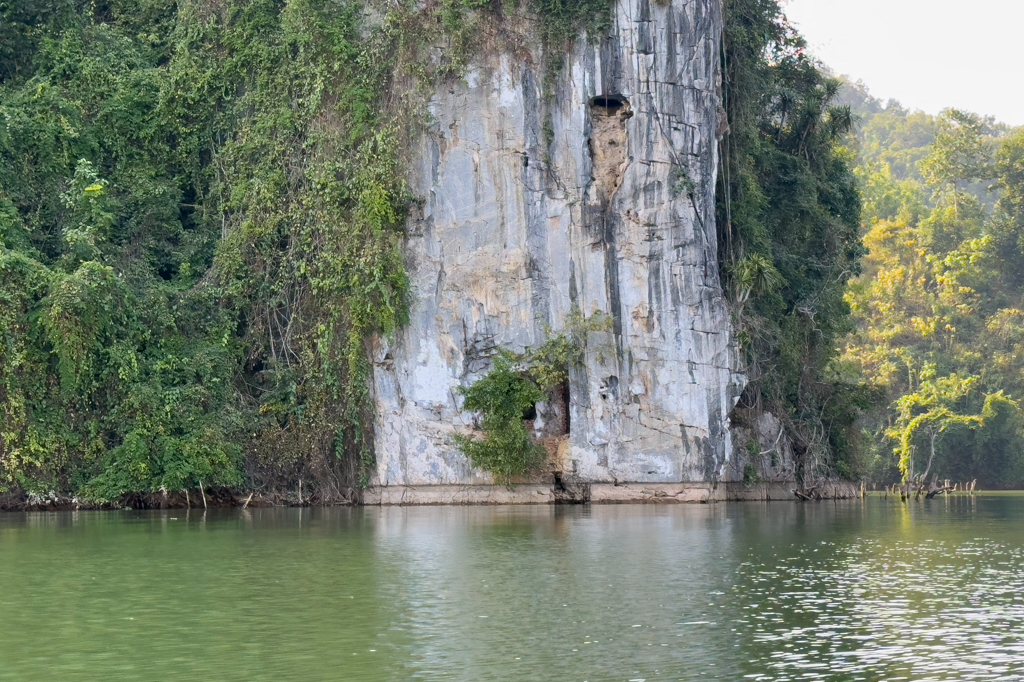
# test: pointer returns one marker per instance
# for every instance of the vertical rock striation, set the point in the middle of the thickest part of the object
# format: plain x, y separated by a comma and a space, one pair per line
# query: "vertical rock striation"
593, 193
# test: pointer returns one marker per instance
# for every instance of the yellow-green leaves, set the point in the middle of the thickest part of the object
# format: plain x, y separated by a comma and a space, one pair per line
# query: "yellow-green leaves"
938, 405
939, 331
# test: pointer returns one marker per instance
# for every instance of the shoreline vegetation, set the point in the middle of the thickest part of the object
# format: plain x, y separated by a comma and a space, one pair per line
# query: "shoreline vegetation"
224, 498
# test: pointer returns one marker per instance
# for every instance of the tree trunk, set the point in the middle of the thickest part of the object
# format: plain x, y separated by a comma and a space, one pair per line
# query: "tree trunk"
924, 477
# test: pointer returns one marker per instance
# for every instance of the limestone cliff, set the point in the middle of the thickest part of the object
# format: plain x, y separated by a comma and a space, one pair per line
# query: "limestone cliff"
590, 191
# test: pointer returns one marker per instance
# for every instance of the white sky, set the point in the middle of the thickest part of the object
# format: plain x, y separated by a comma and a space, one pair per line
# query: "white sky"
928, 54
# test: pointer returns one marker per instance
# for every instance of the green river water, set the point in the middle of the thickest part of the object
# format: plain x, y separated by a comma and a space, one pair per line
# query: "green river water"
875, 590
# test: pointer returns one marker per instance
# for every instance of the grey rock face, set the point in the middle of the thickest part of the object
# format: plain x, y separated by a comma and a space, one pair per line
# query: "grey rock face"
595, 195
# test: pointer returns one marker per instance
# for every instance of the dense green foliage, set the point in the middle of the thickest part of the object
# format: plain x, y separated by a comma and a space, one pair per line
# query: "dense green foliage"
200, 214
502, 397
789, 215
939, 303
893, 141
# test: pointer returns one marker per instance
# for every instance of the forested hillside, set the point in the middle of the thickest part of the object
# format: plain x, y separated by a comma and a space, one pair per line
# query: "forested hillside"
939, 305
201, 217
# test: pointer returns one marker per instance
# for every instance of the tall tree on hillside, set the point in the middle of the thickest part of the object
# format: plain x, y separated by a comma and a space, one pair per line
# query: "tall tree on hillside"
1007, 226
959, 155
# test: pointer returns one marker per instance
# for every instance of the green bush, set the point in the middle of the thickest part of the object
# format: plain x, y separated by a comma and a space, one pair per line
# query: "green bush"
513, 386
502, 397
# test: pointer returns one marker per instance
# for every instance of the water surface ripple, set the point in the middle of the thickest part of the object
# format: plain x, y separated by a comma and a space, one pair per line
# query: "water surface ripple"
782, 591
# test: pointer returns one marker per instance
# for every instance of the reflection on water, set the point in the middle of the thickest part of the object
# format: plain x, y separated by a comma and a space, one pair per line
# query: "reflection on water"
783, 591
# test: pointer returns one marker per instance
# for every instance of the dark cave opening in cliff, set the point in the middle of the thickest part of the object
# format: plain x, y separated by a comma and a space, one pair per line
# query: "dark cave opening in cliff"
608, 105
558, 410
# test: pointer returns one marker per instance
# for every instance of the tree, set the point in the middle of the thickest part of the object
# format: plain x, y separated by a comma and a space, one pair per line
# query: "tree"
1007, 226
959, 155
1009, 170
755, 274
938, 405
789, 215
